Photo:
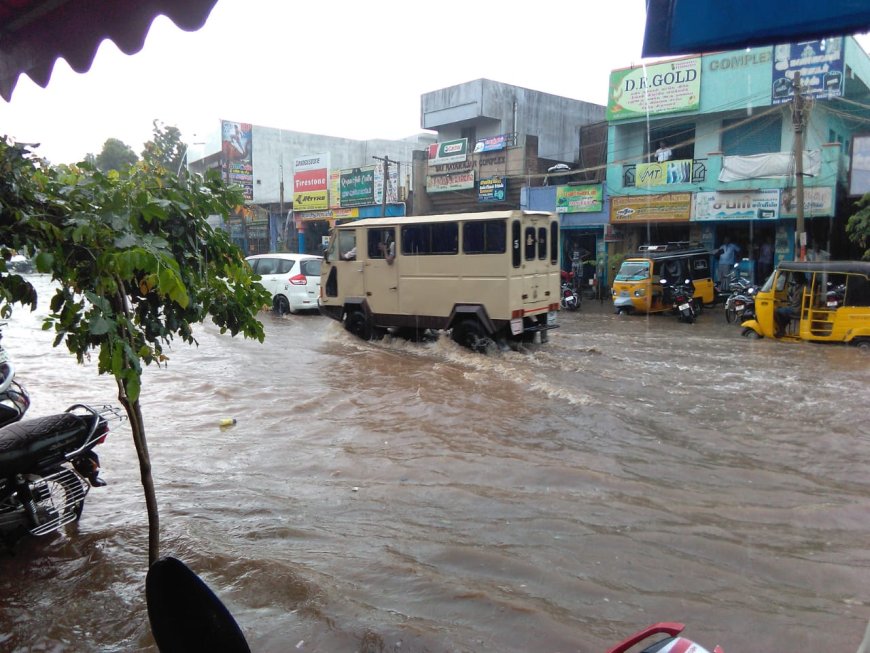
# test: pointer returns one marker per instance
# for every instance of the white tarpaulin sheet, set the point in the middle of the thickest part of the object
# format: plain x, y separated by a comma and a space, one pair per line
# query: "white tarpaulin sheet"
761, 166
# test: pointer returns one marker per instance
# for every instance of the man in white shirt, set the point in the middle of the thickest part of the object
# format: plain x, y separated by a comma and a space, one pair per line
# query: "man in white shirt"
663, 153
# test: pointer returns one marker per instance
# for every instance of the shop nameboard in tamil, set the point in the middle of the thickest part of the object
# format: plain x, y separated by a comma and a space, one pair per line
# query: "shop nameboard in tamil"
492, 189
357, 187
668, 207
818, 202
579, 199
444, 183
760, 204
820, 64
655, 89
662, 174
448, 152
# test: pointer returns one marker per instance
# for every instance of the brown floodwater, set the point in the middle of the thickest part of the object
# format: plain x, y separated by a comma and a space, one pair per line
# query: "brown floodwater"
415, 497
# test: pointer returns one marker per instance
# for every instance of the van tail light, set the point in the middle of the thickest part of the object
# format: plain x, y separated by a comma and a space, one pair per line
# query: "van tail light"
298, 280
517, 314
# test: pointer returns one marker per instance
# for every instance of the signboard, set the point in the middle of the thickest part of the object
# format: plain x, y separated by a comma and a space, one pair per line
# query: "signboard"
818, 201
579, 199
670, 207
492, 189
656, 89
310, 182
455, 181
357, 187
448, 152
737, 205
664, 173
859, 177
820, 64
236, 162
492, 143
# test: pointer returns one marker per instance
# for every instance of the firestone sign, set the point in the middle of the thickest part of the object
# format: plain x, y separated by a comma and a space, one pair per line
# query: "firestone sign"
661, 88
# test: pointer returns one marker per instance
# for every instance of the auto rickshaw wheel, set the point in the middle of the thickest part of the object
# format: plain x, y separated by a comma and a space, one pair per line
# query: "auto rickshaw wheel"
862, 343
750, 333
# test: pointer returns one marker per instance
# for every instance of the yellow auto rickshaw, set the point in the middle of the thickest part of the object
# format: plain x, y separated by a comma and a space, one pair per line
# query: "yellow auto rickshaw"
637, 286
831, 303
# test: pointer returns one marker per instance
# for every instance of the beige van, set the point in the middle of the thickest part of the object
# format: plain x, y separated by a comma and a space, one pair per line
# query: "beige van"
489, 278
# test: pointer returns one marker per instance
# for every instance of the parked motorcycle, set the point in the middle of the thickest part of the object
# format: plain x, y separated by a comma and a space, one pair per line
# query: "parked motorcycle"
47, 466
681, 296
740, 304
570, 297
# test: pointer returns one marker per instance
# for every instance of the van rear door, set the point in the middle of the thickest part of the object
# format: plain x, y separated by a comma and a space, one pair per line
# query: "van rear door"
536, 262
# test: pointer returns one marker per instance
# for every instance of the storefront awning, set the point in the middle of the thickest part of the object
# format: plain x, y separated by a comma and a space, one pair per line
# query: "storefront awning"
34, 34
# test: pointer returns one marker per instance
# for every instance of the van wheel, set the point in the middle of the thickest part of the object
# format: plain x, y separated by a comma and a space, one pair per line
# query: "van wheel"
280, 305
359, 325
469, 334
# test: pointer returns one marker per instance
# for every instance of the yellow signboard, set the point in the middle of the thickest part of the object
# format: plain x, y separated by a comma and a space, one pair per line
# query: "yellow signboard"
311, 200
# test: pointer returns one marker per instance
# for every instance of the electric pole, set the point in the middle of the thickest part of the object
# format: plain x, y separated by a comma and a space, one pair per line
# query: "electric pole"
798, 120
387, 163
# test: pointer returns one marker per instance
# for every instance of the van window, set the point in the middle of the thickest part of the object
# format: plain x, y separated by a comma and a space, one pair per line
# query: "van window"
489, 237
542, 243
424, 239
346, 242
530, 243
554, 242
515, 243
377, 237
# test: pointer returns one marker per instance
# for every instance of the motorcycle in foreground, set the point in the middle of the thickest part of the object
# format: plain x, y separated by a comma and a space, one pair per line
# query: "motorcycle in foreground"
47, 466
14, 400
681, 296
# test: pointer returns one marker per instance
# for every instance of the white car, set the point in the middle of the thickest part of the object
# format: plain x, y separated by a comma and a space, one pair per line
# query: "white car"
292, 279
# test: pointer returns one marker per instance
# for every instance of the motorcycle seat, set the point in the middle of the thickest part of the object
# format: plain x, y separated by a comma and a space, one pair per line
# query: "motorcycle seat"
24, 444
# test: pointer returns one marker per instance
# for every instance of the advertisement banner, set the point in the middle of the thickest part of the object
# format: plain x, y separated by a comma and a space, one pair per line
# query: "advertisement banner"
444, 183
311, 183
820, 64
491, 144
236, 161
737, 205
662, 174
655, 89
671, 207
448, 152
357, 187
579, 199
492, 189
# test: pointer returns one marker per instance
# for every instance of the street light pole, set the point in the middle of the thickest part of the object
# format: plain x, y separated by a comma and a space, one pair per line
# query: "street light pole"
798, 122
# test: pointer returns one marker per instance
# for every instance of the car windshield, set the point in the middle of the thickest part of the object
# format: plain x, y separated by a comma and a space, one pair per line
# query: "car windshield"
633, 271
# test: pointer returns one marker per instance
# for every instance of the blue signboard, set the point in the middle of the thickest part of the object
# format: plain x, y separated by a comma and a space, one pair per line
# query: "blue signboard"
820, 64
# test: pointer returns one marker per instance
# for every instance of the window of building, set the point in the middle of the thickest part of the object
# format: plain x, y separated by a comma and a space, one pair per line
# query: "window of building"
745, 136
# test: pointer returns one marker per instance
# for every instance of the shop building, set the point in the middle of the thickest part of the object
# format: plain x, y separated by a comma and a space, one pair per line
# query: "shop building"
702, 148
297, 185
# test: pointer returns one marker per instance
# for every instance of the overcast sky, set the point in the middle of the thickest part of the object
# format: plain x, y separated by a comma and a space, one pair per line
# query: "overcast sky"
351, 69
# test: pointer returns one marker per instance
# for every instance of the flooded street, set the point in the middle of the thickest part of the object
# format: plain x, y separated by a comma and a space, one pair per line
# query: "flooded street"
416, 497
